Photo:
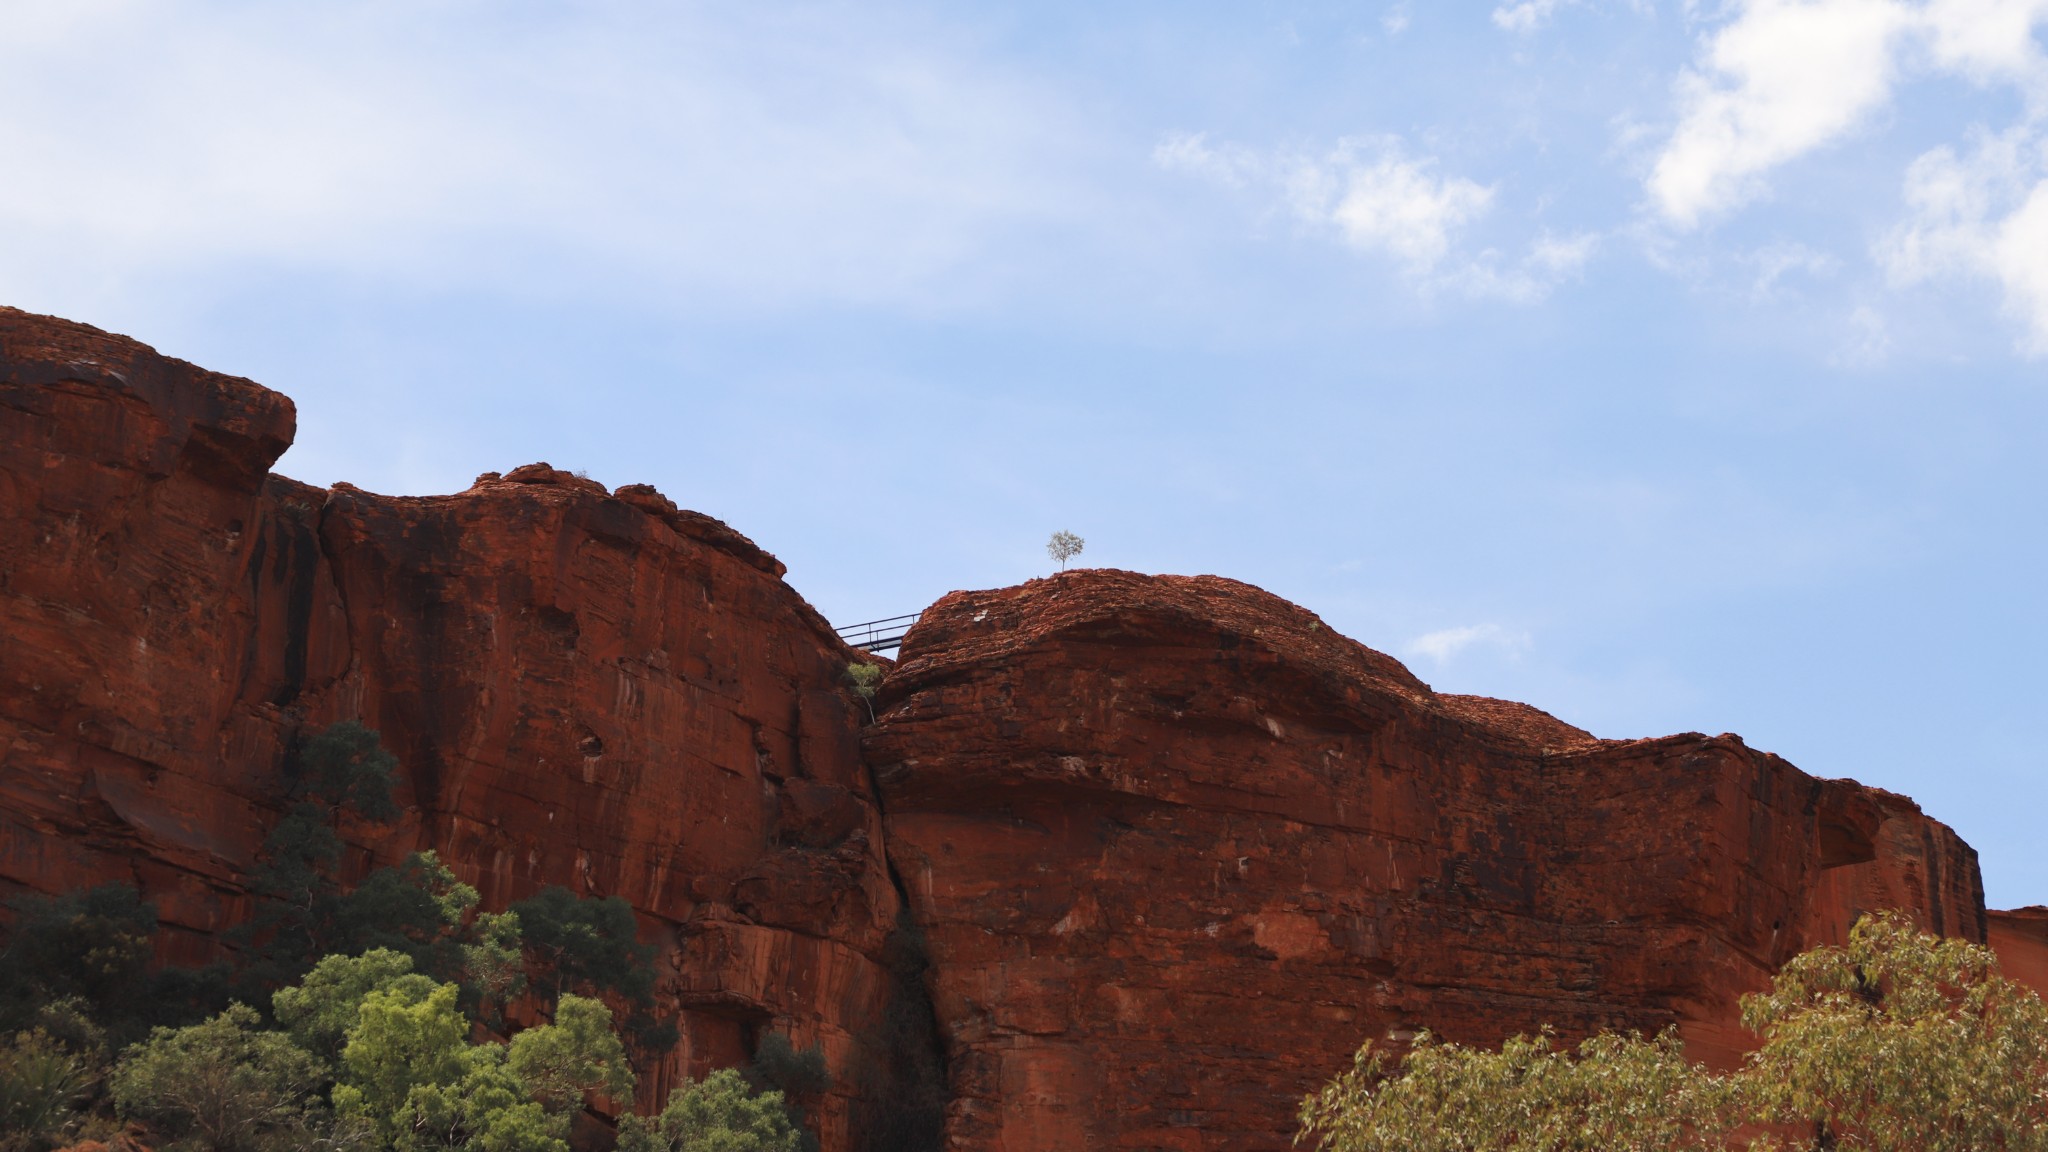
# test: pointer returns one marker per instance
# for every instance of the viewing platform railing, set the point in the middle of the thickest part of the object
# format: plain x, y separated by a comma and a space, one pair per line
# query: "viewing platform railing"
878, 635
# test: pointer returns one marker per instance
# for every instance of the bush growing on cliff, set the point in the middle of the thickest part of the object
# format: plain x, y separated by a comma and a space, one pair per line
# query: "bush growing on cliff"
1897, 1042
717, 1114
867, 681
590, 944
91, 950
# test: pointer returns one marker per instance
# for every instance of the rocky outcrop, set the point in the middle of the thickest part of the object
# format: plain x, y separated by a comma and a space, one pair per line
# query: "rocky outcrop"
2021, 939
1172, 848
584, 688
1177, 848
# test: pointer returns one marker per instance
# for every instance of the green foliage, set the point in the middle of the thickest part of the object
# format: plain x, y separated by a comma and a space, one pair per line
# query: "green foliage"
583, 943
401, 1040
1623, 1094
494, 961
409, 1074
222, 1085
799, 1075
867, 681
297, 899
322, 1008
43, 1083
590, 945
377, 1026
1901, 1041
778, 1064
417, 907
1898, 1042
347, 767
718, 1114
485, 1109
92, 949
578, 1054
302, 912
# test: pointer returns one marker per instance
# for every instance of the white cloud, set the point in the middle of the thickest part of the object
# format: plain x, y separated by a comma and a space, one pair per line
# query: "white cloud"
1868, 341
1563, 255
1445, 644
1191, 153
1395, 21
1381, 200
1375, 197
1984, 214
1987, 40
1774, 262
1785, 77
1526, 16
719, 153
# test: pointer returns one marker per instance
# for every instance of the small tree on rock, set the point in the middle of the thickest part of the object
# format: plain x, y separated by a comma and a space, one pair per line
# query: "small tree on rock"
1064, 546
867, 680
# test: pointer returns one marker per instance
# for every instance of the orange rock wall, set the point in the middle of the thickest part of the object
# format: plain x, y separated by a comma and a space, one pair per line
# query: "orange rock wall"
583, 688
1178, 848
1173, 847
2020, 938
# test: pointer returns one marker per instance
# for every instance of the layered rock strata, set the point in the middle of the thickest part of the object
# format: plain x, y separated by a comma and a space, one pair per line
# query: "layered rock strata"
1172, 847
1177, 848
583, 688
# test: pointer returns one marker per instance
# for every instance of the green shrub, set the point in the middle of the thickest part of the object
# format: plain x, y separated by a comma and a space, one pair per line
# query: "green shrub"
717, 1114
1898, 1042
224, 1085
43, 1084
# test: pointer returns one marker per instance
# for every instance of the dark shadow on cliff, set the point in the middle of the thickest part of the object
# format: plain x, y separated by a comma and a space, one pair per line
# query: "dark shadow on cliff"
903, 1097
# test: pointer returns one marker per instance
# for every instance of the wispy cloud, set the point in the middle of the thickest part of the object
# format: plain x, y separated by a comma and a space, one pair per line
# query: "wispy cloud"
739, 153
1378, 198
1527, 15
1446, 644
1980, 213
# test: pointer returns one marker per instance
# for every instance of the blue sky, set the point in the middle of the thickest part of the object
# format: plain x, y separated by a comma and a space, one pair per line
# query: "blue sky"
1670, 366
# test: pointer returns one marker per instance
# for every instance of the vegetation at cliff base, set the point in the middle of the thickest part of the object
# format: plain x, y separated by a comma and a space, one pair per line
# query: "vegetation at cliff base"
1897, 1042
368, 1017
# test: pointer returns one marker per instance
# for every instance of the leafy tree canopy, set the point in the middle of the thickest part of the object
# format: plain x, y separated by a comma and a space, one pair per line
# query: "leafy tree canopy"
717, 1114
347, 767
1896, 1042
224, 1085
577, 1055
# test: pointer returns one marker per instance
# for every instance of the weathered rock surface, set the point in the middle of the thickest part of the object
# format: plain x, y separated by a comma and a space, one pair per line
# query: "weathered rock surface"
1174, 847
2020, 938
589, 689
1177, 848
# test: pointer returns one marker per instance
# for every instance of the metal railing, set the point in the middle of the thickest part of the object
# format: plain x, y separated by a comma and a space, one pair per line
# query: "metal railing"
878, 635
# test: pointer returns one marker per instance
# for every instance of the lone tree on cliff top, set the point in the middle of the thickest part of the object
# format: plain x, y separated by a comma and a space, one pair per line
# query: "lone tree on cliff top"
1064, 546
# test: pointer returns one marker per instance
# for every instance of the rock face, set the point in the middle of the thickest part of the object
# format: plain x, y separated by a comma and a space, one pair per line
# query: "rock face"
2021, 939
1172, 847
1177, 848
589, 689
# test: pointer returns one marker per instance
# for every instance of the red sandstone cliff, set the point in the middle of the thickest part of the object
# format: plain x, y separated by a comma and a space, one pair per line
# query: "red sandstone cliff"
2021, 940
1177, 848
589, 689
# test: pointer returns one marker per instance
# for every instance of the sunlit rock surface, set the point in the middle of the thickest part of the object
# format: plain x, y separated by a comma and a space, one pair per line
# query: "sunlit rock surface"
1172, 847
